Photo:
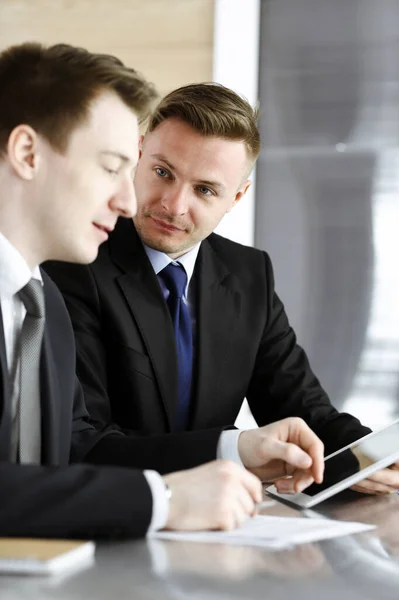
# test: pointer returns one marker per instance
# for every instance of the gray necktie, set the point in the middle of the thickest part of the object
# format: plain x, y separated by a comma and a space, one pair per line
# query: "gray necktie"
32, 296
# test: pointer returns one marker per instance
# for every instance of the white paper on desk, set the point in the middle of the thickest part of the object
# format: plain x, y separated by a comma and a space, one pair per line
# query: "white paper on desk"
271, 532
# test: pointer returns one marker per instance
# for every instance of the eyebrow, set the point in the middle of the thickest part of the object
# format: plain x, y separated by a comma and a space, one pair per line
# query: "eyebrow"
123, 157
215, 184
161, 157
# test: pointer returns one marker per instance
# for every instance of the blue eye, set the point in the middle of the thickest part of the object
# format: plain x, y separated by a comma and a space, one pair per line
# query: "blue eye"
161, 172
205, 191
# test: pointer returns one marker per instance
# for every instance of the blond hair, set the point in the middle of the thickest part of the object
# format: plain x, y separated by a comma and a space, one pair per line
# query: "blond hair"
213, 110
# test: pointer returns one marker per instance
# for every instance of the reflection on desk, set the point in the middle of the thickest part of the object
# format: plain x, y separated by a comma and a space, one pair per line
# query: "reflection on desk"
349, 567
362, 567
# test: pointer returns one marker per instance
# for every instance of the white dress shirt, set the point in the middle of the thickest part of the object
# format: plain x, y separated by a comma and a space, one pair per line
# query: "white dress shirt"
14, 275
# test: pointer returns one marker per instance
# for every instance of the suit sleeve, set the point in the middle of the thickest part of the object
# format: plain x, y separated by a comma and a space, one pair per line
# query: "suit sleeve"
284, 385
162, 453
76, 501
103, 500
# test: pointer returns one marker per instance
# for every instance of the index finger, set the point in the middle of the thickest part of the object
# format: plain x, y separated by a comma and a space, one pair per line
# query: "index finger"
313, 445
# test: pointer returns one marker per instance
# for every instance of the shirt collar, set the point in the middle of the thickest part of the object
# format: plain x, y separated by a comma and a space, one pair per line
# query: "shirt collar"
160, 260
14, 270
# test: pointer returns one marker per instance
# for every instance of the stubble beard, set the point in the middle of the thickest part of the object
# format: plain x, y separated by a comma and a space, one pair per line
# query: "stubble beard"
157, 243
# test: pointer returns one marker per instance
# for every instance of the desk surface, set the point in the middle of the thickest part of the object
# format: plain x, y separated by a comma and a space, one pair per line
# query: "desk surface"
365, 566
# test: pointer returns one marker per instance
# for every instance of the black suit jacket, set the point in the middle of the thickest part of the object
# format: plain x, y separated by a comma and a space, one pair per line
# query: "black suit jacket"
80, 500
126, 356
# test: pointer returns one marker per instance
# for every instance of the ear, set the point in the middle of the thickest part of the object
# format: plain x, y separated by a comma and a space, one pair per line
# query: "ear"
241, 192
141, 142
22, 151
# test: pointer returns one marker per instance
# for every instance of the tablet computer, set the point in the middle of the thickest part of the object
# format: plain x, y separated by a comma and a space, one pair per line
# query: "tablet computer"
348, 466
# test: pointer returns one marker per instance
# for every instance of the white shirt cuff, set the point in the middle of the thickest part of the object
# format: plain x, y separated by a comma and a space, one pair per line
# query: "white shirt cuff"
228, 446
160, 501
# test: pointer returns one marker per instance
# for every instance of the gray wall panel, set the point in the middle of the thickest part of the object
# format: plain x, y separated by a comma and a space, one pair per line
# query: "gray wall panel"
328, 189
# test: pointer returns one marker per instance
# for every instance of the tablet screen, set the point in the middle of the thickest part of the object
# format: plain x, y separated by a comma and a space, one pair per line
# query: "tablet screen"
367, 451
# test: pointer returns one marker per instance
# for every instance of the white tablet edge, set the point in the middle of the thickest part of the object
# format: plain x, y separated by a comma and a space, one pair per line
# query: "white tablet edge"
361, 438
301, 499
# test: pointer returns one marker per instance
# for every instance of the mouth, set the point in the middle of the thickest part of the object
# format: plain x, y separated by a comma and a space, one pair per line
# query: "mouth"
165, 226
106, 229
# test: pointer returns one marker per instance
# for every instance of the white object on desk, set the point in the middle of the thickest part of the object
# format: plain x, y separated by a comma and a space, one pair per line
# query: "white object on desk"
43, 556
271, 532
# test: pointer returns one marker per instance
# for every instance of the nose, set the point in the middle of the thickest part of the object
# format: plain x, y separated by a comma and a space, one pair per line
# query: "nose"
124, 201
175, 202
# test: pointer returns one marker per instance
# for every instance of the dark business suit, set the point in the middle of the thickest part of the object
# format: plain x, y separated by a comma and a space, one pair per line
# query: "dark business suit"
84, 501
244, 344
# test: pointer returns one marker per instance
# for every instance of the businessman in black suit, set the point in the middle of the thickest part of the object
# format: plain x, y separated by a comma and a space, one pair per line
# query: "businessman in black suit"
201, 144
69, 143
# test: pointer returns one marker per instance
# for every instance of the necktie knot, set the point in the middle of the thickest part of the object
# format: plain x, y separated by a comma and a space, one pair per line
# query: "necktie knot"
32, 296
175, 279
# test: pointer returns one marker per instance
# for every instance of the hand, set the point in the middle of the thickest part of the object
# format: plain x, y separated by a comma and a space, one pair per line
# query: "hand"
385, 481
218, 495
287, 447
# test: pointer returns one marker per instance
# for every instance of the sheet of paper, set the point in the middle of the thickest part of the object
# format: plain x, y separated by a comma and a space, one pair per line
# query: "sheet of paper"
271, 532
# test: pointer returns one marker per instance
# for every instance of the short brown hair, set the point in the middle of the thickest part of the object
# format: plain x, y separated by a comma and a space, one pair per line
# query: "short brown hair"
213, 110
51, 89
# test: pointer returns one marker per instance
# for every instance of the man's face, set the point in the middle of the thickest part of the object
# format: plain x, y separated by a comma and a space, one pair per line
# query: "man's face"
185, 183
81, 193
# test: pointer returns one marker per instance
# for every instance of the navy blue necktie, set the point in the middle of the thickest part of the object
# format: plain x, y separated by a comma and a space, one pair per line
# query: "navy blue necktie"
175, 279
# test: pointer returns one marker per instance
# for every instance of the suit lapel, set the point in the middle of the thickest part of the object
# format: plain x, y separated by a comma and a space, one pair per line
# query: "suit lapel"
218, 309
142, 292
5, 400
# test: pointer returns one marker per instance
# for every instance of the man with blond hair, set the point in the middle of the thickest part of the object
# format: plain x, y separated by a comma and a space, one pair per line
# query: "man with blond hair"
68, 150
176, 325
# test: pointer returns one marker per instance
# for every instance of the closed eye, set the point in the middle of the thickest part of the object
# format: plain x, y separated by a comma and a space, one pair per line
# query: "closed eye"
111, 172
